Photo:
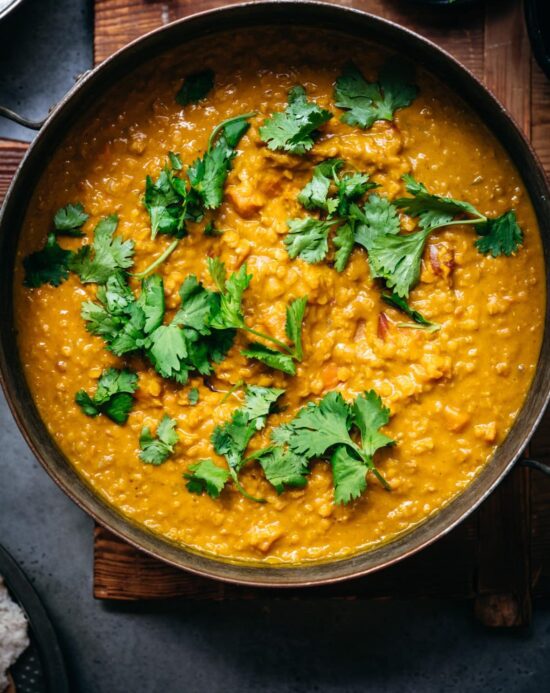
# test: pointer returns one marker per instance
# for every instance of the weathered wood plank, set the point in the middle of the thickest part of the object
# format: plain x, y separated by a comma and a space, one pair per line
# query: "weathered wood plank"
445, 569
11, 153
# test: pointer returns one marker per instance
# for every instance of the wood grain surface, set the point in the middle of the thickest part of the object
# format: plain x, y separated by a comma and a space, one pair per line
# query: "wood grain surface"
500, 556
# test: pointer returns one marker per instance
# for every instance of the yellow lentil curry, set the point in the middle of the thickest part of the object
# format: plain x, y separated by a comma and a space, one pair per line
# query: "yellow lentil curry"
453, 392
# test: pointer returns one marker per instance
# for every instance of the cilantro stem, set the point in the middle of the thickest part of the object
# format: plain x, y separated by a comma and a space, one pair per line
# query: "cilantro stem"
223, 124
235, 387
434, 327
240, 488
379, 477
280, 344
160, 259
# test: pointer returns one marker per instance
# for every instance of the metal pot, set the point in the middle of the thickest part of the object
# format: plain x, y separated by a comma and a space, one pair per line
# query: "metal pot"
74, 107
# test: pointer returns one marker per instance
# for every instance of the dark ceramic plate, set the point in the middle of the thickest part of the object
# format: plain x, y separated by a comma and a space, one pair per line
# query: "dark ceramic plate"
41, 668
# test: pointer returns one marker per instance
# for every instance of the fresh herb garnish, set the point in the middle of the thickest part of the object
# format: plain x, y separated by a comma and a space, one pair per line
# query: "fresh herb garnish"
195, 87
169, 202
314, 195
69, 219
172, 200
232, 438
282, 468
324, 430
206, 477
270, 357
106, 255
113, 396
231, 315
420, 322
366, 102
208, 174
50, 265
308, 239
500, 236
294, 129
193, 396
156, 449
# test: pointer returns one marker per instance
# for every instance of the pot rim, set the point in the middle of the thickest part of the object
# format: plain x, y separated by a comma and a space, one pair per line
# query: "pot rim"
156, 42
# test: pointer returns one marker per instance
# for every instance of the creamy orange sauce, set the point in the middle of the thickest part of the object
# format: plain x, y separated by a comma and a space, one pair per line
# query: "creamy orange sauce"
453, 394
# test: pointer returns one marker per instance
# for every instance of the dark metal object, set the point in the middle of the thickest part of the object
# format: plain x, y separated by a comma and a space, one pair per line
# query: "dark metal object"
8, 8
537, 18
21, 120
71, 110
41, 668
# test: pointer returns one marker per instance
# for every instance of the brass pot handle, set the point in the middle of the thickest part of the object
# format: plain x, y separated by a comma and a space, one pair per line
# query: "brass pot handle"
535, 464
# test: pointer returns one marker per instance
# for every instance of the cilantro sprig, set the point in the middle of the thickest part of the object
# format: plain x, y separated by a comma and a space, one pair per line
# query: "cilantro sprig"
397, 258
334, 196
50, 265
230, 440
68, 220
231, 315
113, 396
366, 102
345, 433
106, 254
324, 430
156, 449
294, 129
180, 195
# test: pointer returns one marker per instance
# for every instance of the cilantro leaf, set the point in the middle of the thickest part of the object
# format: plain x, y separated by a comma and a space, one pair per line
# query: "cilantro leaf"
349, 475
259, 402
315, 193
366, 102
282, 468
293, 326
231, 439
230, 313
113, 396
308, 239
175, 161
195, 87
432, 210
157, 449
151, 302
324, 429
500, 236
169, 202
397, 259
377, 218
193, 396
50, 265
69, 219
401, 304
350, 187
344, 240
369, 414
167, 352
294, 129
197, 306
106, 255
208, 174
271, 357
317, 427
211, 230
206, 476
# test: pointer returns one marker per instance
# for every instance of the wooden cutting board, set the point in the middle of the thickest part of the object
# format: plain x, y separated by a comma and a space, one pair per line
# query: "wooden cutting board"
500, 556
